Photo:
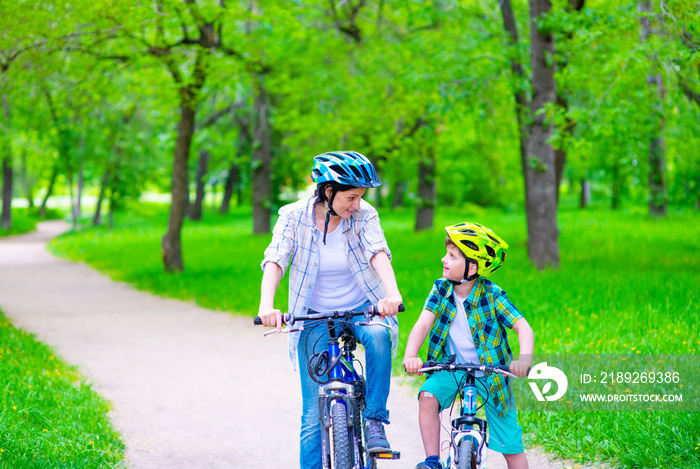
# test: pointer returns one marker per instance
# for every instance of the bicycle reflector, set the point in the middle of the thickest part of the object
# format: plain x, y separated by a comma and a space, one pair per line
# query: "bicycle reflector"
387, 455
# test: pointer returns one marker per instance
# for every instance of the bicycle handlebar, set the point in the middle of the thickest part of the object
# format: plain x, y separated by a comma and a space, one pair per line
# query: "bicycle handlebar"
431, 366
368, 313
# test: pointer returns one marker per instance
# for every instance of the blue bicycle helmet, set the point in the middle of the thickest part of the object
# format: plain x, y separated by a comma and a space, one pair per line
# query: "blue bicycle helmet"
348, 168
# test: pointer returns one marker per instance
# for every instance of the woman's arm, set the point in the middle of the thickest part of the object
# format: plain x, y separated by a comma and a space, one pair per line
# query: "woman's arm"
270, 316
388, 306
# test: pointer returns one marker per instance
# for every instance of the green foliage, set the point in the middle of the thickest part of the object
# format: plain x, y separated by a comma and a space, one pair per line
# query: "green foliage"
25, 220
627, 285
49, 414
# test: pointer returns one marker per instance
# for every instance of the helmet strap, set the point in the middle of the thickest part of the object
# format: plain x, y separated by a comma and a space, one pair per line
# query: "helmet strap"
467, 277
328, 214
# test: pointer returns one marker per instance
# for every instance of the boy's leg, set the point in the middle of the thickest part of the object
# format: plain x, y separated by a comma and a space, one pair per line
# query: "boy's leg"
516, 461
429, 423
505, 434
437, 393
310, 436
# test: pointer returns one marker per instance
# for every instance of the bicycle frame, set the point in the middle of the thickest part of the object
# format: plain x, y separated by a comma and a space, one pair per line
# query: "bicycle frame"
344, 388
463, 427
467, 428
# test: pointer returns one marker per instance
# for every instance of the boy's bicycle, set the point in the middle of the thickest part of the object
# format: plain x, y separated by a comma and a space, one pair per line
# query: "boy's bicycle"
342, 395
468, 447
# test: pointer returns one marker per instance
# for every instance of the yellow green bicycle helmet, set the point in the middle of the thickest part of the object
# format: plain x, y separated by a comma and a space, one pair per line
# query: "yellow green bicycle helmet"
480, 245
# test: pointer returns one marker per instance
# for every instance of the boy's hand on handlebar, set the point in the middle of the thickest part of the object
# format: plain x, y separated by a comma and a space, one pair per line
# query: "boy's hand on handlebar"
412, 365
519, 368
271, 317
390, 306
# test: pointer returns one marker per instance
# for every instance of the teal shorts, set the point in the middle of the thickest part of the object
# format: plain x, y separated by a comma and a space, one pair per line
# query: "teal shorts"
505, 435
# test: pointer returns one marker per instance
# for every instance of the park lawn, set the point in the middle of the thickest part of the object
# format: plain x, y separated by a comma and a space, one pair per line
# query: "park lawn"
25, 220
627, 284
49, 415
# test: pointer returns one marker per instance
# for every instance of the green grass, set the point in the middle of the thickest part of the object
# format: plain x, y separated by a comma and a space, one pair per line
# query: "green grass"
49, 416
627, 284
25, 220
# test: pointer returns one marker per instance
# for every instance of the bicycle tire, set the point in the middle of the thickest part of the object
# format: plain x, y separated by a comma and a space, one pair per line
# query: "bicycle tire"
466, 455
341, 437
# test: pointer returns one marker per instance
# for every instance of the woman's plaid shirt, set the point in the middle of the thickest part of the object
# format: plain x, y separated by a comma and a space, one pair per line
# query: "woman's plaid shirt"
294, 246
489, 312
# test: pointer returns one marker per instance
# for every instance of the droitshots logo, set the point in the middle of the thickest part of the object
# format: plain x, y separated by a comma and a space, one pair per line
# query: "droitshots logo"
548, 373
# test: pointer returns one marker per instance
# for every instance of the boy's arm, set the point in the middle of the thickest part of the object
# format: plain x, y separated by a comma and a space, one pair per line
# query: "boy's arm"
526, 339
420, 331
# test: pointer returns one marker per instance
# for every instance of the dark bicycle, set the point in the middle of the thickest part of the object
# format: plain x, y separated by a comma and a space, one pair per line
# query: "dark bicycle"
468, 436
342, 394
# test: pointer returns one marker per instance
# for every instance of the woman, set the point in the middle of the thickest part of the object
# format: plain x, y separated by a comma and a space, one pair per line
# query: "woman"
340, 261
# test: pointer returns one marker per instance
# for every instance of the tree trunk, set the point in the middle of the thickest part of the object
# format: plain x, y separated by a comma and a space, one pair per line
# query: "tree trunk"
616, 187
202, 165
49, 190
397, 194
26, 182
426, 188
585, 198
518, 77
562, 102
171, 244
77, 209
6, 217
231, 185
97, 218
541, 197
658, 195
7, 190
262, 162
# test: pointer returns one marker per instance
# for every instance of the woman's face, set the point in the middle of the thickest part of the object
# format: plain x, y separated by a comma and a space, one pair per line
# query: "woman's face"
347, 202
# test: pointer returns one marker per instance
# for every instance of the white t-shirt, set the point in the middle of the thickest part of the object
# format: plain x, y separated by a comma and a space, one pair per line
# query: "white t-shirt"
459, 337
336, 288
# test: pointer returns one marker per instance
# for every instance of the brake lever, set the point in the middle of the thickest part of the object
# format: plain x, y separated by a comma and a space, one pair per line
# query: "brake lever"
504, 372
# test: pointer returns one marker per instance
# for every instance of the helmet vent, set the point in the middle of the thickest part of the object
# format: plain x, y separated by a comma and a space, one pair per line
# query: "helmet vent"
493, 239
470, 244
490, 251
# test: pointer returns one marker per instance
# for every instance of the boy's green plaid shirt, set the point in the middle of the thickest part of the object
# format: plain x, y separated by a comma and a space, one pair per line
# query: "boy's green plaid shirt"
489, 311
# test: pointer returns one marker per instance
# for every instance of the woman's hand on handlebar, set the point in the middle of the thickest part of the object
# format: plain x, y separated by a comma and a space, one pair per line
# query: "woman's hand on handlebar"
412, 365
271, 317
390, 306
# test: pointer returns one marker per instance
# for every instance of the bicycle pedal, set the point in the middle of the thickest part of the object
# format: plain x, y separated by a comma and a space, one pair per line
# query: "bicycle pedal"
386, 455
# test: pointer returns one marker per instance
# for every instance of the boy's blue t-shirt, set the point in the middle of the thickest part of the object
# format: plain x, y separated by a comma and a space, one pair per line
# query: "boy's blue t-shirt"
489, 311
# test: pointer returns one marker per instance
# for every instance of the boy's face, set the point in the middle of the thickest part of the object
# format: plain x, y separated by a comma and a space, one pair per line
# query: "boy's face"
453, 264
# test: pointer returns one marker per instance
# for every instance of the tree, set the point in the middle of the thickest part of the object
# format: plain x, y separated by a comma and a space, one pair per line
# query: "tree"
658, 195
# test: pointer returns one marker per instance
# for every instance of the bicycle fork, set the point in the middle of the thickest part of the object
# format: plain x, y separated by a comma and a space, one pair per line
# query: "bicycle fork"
467, 427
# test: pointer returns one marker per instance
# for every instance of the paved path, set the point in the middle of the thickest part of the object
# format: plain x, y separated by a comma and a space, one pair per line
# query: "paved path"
190, 388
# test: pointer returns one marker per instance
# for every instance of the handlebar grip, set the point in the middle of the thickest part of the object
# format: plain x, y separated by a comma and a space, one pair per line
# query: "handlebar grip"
257, 321
372, 309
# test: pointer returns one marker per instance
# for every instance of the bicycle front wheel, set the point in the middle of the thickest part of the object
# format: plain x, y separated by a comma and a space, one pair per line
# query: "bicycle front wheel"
341, 437
466, 455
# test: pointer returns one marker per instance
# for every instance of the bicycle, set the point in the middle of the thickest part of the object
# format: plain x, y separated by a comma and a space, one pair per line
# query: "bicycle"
468, 446
342, 396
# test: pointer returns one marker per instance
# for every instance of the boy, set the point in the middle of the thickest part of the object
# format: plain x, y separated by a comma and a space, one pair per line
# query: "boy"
466, 315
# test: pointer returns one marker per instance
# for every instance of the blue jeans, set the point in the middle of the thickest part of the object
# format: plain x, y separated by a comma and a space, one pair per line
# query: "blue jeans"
377, 343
